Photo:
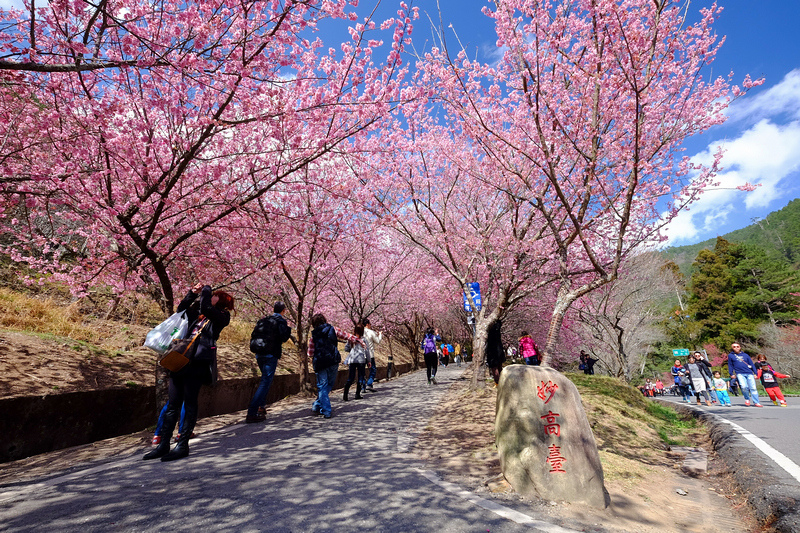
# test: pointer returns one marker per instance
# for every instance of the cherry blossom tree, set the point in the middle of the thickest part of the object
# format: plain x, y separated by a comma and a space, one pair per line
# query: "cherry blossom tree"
579, 125
437, 194
156, 123
620, 320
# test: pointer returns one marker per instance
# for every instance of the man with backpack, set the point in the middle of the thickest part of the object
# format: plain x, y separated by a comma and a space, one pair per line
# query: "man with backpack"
266, 342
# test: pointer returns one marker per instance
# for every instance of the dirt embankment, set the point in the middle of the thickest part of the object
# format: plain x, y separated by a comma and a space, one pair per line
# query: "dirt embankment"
33, 364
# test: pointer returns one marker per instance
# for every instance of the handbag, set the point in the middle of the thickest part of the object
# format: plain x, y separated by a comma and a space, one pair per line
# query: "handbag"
180, 352
160, 337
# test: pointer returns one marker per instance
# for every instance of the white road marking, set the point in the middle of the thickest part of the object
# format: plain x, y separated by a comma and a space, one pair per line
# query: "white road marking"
781, 460
500, 510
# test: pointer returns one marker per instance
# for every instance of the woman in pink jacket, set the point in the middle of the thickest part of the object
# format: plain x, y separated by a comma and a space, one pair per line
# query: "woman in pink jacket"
528, 349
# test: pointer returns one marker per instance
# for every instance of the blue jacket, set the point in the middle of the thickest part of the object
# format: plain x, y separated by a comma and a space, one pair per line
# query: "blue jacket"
740, 364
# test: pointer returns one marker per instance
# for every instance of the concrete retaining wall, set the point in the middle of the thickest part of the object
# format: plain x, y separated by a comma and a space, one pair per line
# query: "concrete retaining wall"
37, 424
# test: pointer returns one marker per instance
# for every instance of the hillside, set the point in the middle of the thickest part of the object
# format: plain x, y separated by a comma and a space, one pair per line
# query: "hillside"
778, 234
50, 347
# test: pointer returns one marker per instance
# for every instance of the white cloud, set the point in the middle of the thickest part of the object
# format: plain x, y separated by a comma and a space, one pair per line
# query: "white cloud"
781, 99
8, 4
767, 153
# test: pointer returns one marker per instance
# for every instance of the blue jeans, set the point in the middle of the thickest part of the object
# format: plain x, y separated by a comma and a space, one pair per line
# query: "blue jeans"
160, 423
713, 393
723, 397
267, 364
747, 382
373, 371
686, 392
326, 378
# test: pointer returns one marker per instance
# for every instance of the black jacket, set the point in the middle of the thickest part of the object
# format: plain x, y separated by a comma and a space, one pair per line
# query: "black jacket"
495, 355
206, 346
281, 334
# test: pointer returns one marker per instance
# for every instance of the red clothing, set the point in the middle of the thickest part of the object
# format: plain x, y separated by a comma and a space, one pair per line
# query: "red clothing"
767, 377
527, 348
342, 336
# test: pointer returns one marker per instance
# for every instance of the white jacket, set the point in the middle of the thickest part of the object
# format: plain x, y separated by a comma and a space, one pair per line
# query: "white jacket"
372, 339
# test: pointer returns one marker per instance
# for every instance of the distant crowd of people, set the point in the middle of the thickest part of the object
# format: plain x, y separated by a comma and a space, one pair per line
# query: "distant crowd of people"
696, 380
209, 312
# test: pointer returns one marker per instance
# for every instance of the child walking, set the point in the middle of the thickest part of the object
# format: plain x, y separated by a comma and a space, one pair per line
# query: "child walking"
769, 380
721, 388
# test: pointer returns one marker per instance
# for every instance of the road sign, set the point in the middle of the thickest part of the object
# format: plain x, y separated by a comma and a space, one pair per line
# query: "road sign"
474, 290
680, 352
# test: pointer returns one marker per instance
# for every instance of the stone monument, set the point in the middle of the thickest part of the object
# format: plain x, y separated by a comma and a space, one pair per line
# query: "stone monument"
547, 449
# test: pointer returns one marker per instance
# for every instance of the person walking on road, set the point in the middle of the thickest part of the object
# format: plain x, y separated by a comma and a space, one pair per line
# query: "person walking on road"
698, 377
207, 321
743, 370
358, 361
721, 387
430, 354
325, 358
682, 382
768, 377
705, 368
495, 355
266, 342
372, 339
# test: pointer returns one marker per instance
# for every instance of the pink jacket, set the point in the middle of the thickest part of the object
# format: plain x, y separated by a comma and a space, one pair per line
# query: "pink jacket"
527, 348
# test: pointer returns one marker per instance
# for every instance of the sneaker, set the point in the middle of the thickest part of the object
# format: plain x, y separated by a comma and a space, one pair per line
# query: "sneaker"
757, 405
747, 403
783, 404
370, 388
775, 402
433, 380
327, 416
254, 419
429, 381
315, 412
156, 440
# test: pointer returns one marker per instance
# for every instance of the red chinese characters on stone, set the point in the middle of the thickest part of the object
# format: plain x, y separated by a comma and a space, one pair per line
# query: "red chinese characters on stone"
555, 459
546, 391
550, 426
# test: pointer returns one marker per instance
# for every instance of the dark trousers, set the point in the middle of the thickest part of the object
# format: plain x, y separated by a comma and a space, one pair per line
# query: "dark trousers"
184, 388
361, 368
431, 364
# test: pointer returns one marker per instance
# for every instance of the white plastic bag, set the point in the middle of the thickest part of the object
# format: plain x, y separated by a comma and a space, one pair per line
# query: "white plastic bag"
175, 327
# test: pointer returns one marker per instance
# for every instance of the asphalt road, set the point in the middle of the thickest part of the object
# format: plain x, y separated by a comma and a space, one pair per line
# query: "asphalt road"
775, 426
294, 473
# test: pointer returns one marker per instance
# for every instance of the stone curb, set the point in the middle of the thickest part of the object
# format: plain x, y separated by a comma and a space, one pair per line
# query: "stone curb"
774, 502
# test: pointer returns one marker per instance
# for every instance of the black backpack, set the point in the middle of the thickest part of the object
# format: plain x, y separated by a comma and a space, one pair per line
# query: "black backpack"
326, 351
264, 335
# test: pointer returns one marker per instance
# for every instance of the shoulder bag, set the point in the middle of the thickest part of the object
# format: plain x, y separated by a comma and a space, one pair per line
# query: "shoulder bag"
180, 352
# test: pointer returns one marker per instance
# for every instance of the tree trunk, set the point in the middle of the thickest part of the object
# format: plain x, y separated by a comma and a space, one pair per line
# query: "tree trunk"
556, 321
479, 354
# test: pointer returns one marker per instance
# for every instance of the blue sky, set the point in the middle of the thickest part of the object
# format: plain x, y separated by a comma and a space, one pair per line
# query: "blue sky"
762, 135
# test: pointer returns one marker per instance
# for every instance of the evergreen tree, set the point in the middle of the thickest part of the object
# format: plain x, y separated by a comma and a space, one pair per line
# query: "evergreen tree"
737, 288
